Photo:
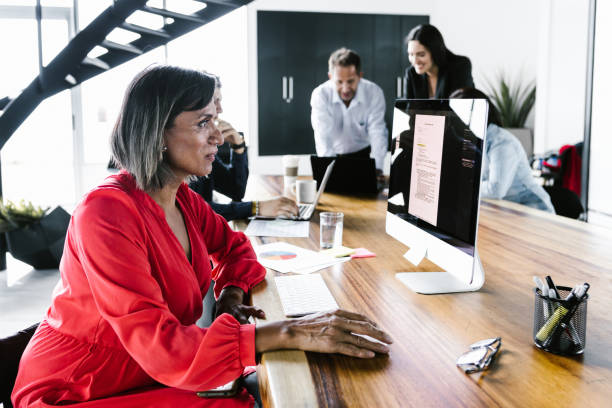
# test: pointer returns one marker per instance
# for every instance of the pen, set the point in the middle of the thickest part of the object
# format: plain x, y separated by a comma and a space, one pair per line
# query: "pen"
544, 289
552, 286
540, 285
553, 294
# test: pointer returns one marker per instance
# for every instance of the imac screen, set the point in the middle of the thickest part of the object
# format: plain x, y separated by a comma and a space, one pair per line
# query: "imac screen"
435, 167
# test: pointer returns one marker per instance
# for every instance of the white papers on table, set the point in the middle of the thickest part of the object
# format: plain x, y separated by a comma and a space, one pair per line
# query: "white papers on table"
426, 167
284, 257
278, 228
416, 254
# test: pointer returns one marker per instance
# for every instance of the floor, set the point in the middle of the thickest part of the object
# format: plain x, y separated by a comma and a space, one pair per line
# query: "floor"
601, 219
25, 295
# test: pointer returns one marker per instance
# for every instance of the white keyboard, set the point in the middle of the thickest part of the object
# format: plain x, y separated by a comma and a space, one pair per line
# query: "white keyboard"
304, 294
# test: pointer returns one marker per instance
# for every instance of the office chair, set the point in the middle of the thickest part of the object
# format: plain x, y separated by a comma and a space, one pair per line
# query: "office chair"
11, 349
566, 202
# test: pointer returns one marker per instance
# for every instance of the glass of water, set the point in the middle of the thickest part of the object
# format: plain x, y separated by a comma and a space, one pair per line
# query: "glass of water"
331, 229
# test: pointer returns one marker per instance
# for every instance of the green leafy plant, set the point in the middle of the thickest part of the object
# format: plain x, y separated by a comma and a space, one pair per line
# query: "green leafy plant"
14, 216
513, 100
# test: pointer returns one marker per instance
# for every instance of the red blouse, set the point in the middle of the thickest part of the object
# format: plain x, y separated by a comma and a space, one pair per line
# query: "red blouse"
123, 312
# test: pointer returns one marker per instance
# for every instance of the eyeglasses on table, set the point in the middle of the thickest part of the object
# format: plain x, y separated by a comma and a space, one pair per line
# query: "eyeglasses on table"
480, 356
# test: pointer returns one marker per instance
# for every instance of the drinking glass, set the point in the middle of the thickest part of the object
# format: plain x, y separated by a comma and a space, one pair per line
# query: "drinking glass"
331, 229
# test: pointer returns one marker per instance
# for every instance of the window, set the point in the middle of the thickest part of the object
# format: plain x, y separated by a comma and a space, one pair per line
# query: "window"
37, 159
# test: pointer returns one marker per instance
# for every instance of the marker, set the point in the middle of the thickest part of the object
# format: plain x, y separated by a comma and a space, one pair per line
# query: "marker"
552, 286
541, 285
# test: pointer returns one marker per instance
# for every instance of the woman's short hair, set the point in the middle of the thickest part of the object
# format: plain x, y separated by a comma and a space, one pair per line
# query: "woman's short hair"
431, 39
154, 98
473, 93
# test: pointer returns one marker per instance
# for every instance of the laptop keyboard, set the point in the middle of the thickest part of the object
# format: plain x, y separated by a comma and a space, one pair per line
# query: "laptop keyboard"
304, 294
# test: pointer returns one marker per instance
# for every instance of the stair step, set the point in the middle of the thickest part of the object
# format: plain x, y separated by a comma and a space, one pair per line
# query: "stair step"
228, 3
172, 14
71, 80
96, 62
111, 45
144, 30
4, 101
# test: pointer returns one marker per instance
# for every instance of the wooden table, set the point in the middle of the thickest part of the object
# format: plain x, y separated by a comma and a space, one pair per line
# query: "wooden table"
431, 331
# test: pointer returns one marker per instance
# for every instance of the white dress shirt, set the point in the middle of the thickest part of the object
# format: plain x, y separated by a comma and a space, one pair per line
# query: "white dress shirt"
342, 130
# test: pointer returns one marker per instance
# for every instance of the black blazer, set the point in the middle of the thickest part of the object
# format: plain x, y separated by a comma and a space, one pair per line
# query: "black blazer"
457, 74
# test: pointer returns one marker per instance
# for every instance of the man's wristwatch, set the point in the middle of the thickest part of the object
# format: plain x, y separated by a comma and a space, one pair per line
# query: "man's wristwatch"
239, 145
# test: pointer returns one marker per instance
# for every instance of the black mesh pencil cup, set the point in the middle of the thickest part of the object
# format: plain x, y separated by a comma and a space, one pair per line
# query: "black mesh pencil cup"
558, 326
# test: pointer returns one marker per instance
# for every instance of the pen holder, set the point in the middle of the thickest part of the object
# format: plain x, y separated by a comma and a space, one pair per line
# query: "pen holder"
565, 335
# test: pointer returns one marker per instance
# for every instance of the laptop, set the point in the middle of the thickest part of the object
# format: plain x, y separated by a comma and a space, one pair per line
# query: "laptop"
352, 175
306, 210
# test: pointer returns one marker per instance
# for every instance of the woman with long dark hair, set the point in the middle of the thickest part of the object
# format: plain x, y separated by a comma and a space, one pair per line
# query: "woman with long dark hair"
435, 72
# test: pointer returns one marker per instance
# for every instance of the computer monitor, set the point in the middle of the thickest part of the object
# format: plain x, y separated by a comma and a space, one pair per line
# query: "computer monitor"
434, 190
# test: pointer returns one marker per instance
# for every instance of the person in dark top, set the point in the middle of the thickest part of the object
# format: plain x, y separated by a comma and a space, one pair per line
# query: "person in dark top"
435, 72
229, 176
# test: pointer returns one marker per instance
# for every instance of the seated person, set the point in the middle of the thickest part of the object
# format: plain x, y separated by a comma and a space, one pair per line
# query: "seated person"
506, 174
120, 331
229, 177
348, 112
435, 72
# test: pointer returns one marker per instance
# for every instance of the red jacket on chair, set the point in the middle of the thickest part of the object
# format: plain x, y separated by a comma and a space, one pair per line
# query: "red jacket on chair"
571, 167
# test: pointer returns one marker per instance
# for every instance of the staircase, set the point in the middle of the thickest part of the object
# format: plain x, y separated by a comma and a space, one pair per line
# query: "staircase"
72, 65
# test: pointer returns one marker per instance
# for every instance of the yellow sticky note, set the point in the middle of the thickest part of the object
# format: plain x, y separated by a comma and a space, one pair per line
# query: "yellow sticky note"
339, 252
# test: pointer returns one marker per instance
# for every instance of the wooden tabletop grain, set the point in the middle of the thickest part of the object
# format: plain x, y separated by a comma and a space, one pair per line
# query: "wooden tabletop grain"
431, 331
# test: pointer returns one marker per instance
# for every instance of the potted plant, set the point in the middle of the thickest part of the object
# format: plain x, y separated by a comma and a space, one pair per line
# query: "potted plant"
514, 101
33, 234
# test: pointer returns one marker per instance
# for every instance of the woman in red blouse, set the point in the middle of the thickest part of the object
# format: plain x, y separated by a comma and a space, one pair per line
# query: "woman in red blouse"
121, 330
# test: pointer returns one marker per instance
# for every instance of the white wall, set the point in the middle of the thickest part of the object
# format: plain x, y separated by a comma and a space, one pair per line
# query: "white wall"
600, 194
497, 35
562, 62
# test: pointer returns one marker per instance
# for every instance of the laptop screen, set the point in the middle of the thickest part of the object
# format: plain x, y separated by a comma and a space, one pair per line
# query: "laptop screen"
351, 175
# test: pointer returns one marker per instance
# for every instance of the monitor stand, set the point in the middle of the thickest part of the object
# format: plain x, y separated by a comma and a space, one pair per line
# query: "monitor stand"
429, 283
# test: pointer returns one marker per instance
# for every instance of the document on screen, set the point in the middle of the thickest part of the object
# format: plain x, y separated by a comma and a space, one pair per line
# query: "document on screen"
426, 167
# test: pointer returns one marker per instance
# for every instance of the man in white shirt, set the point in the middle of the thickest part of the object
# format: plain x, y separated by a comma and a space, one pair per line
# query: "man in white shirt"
348, 112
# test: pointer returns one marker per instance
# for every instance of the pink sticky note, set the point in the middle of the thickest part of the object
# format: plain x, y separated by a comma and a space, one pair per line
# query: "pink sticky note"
362, 253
